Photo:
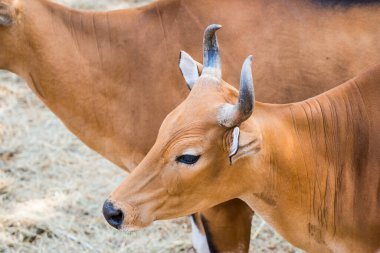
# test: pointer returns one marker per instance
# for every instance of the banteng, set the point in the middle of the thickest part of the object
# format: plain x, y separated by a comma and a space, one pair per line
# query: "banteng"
310, 169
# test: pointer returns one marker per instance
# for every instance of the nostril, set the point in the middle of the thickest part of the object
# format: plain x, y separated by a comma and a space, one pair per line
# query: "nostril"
114, 216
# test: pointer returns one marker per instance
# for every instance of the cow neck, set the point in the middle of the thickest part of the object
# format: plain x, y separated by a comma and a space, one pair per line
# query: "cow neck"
91, 71
59, 42
311, 151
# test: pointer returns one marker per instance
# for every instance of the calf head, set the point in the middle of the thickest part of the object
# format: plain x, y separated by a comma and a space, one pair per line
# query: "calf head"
198, 149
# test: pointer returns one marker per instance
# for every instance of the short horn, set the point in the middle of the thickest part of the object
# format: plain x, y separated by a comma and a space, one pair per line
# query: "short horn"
234, 115
211, 56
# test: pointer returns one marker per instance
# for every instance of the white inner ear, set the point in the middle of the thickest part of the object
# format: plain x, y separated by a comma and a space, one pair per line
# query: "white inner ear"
235, 141
189, 69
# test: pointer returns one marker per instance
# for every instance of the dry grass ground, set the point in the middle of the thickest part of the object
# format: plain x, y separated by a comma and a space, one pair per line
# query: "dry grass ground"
52, 186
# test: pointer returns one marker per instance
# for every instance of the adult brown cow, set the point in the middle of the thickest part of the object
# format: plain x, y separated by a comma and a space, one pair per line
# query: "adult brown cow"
110, 77
311, 169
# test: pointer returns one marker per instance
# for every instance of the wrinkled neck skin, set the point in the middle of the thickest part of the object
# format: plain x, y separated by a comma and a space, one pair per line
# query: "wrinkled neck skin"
79, 39
309, 179
64, 56
86, 67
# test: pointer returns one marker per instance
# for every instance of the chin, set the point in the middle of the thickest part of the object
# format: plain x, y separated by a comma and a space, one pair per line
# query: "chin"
131, 228
137, 225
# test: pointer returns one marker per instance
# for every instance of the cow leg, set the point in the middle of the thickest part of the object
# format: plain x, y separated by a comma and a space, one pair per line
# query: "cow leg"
223, 228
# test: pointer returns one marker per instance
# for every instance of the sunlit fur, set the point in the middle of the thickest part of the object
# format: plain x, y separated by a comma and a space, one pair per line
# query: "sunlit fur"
310, 169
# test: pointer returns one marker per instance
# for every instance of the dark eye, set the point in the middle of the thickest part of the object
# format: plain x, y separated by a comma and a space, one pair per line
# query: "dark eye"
188, 159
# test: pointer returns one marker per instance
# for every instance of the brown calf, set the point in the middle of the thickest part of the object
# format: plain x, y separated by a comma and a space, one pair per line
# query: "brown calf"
310, 169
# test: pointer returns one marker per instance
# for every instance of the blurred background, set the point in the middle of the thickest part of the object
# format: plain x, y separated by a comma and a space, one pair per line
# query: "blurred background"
52, 187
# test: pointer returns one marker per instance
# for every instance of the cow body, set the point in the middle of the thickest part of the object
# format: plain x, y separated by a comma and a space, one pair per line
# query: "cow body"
310, 169
89, 67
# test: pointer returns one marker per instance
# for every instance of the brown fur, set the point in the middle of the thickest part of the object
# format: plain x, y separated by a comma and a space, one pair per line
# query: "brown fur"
318, 160
111, 76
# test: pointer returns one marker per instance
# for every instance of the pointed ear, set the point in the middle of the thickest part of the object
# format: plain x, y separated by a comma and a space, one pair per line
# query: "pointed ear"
191, 69
6, 18
243, 144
